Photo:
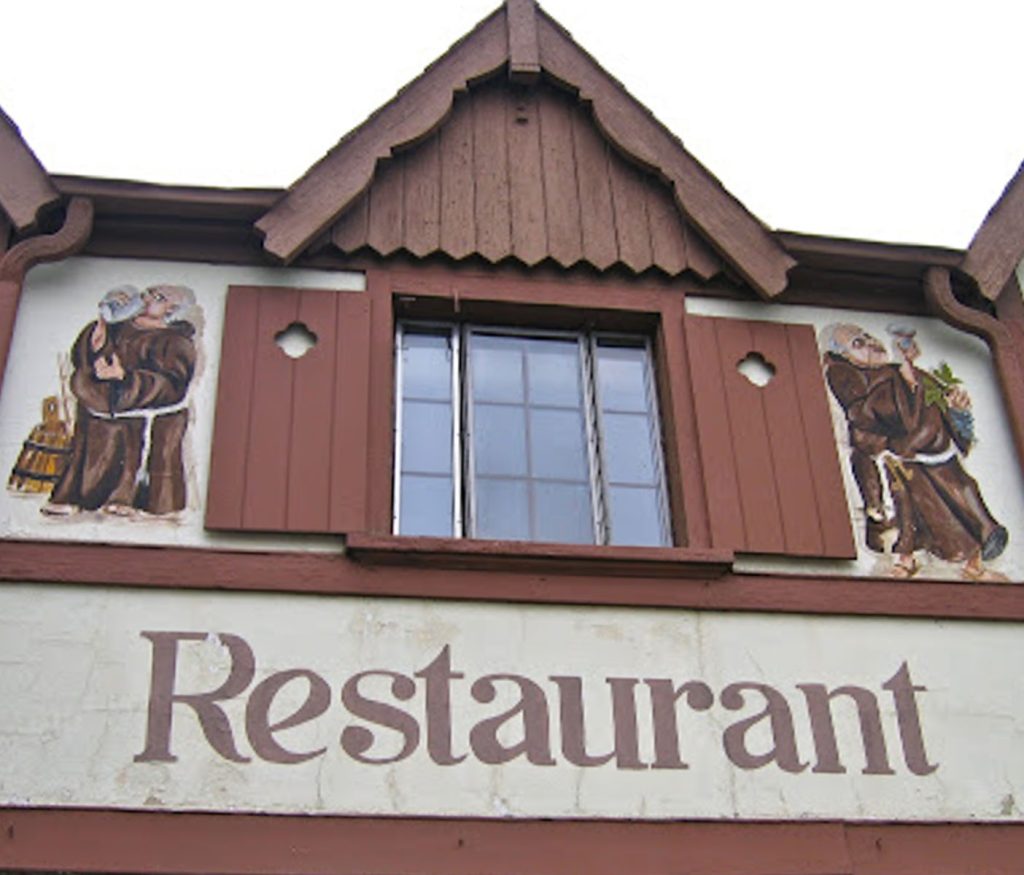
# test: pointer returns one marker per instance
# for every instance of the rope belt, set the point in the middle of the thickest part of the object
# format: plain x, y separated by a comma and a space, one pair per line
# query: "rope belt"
887, 457
147, 415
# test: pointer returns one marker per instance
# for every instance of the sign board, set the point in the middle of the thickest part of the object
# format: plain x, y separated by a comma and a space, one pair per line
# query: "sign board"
206, 701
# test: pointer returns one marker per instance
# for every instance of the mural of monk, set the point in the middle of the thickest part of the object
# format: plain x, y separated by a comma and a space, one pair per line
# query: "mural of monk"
131, 373
908, 431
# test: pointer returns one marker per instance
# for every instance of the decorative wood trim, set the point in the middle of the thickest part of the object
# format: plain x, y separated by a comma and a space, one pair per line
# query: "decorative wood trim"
575, 583
999, 337
25, 187
523, 51
49, 247
998, 246
318, 198
737, 235
16, 261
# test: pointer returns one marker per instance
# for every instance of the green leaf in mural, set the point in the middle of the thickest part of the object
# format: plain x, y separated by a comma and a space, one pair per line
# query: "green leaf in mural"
942, 380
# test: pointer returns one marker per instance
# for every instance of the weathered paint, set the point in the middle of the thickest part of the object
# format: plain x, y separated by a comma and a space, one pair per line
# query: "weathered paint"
75, 677
992, 461
57, 302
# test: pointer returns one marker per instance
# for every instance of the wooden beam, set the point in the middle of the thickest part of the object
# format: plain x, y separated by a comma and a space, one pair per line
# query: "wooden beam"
523, 49
322, 194
25, 188
736, 234
998, 246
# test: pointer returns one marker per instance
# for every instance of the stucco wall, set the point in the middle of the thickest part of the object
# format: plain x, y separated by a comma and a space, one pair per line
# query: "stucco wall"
58, 301
991, 461
77, 679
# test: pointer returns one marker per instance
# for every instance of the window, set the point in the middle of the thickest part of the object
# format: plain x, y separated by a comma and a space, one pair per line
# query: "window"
527, 435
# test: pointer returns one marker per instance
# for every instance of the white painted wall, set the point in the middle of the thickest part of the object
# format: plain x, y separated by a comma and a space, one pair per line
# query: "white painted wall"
57, 302
75, 676
992, 461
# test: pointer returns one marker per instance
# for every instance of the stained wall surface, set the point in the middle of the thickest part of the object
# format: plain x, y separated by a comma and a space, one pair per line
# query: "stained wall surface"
991, 460
349, 705
58, 303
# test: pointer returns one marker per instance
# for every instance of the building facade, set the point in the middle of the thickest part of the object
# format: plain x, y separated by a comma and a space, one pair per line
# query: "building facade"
503, 497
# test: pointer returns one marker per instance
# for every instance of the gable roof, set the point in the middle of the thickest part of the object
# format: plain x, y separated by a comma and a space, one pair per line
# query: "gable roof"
25, 188
524, 40
523, 174
998, 246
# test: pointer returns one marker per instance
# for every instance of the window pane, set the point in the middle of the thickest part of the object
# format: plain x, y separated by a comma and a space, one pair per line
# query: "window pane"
427, 437
501, 509
426, 507
627, 448
563, 513
634, 516
558, 445
426, 366
499, 439
497, 364
553, 368
621, 383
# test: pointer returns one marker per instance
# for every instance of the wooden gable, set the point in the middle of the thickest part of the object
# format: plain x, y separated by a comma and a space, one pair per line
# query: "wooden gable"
523, 173
520, 42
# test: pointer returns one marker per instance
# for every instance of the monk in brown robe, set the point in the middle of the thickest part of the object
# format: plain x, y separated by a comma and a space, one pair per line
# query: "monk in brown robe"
131, 379
905, 455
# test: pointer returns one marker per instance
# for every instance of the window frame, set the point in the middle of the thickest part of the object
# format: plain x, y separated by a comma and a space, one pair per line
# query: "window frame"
588, 342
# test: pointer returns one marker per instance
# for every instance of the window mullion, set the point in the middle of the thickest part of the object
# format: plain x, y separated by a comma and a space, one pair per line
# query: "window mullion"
458, 434
591, 414
396, 496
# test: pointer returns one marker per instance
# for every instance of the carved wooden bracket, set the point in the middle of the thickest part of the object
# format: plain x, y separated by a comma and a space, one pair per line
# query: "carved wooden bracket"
15, 263
938, 290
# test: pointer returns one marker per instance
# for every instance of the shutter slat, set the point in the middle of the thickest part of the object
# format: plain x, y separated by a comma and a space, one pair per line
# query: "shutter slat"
351, 415
798, 506
230, 446
750, 445
266, 475
715, 435
313, 401
833, 509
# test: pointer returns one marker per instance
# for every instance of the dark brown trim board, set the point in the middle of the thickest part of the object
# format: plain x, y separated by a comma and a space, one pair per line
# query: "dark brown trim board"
375, 570
25, 189
998, 246
91, 840
16, 261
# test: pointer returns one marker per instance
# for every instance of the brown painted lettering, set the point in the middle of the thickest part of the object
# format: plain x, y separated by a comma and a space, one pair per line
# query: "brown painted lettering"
212, 719
438, 676
573, 723
257, 714
823, 728
532, 708
357, 740
909, 720
783, 752
664, 695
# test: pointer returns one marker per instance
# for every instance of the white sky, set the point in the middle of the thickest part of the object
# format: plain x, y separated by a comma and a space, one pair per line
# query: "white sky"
897, 120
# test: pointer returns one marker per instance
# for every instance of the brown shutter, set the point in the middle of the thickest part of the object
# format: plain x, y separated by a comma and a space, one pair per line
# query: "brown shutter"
289, 442
769, 454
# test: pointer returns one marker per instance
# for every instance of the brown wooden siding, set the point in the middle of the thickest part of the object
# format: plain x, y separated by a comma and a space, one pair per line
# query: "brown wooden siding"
523, 174
770, 465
